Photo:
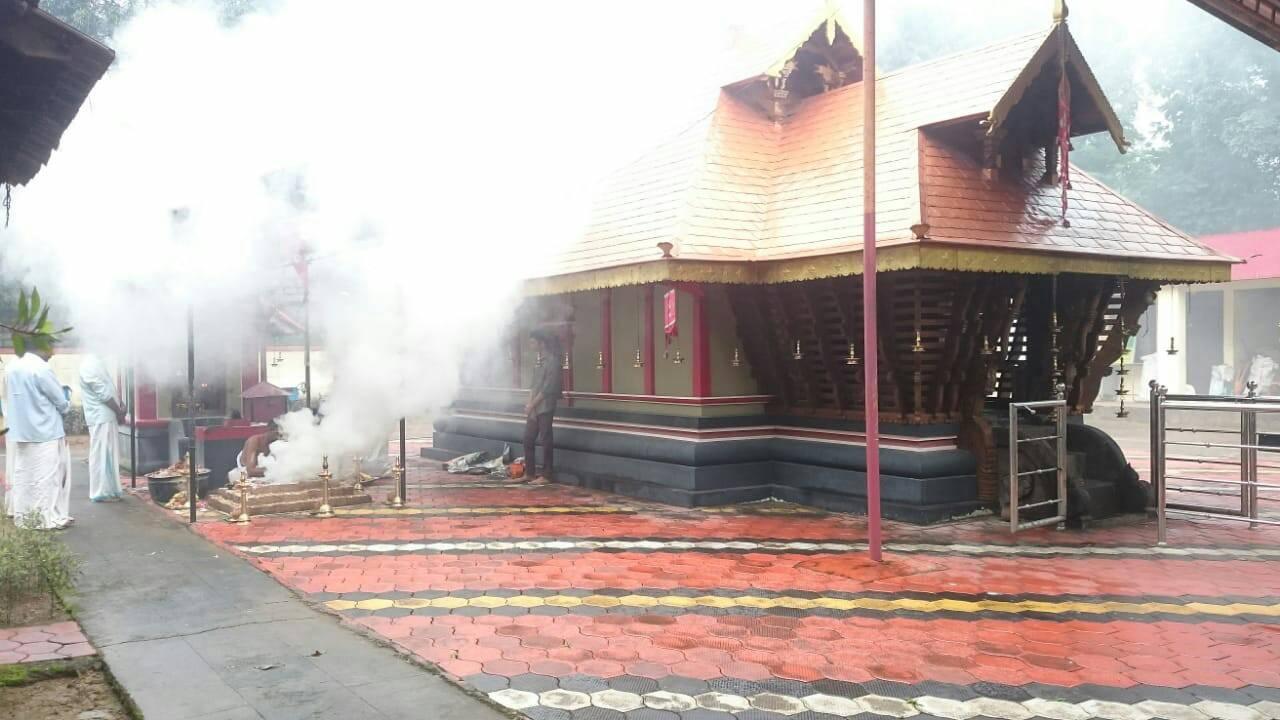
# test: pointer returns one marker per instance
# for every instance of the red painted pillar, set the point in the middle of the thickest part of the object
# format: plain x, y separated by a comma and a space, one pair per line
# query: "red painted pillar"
145, 399
650, 379
516, 342
701, 344
249, 368
606, 340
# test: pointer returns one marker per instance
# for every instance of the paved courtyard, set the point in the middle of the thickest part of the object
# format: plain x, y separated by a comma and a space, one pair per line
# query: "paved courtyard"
562, 603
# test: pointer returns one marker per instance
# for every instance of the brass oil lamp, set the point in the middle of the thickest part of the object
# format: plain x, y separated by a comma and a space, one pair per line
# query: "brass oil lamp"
324, 511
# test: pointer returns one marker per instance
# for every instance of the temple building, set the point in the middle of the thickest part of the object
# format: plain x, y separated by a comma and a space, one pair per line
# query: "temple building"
713, 309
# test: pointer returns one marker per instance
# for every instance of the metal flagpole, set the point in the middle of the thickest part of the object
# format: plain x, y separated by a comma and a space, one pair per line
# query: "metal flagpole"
870, 342
191, 408
132, 389
306, 327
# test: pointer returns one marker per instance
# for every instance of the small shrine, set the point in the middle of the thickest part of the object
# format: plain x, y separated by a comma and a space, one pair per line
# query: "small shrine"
712, 312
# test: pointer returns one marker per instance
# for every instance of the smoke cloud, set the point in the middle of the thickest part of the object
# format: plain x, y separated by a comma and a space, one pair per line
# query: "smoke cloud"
426, 155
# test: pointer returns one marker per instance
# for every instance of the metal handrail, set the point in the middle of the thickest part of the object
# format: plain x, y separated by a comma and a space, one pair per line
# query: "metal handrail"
1059, 407
1247, 407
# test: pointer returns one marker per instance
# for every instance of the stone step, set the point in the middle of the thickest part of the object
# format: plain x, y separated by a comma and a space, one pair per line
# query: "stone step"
293, 497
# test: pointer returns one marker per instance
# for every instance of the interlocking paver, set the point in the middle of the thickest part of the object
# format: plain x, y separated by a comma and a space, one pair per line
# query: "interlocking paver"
58, 641
774, 610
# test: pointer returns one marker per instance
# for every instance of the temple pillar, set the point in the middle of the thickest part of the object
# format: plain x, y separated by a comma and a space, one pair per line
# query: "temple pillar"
650, 371
701, 355
1171, 323
1229, 326
145, 399
516, 342
250, 369
606, 341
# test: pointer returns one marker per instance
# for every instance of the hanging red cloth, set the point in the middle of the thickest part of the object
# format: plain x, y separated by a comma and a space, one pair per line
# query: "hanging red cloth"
669, 315
1064, 130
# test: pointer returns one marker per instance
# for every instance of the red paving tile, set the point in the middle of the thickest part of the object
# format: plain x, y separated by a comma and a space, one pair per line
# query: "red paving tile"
742, 643
59, 641
1160, 577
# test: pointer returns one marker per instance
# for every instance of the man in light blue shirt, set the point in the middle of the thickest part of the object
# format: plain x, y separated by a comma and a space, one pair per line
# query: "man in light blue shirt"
35, 402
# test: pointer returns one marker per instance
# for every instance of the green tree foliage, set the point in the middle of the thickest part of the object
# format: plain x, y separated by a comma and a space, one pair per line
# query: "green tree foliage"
101, 18
32, 326
95, 18
1210, 159
1200, 100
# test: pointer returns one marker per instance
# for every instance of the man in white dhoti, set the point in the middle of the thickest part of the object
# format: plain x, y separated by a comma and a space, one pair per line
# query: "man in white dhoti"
103, 414
42, 460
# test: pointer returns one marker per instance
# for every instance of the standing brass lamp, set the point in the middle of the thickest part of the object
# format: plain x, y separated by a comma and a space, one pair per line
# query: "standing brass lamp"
324, 511
395, 501
242, 518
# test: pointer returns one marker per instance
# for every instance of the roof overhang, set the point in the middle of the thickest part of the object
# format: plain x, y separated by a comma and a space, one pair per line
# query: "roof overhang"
948, 255
47, 69
1259, 19
1084, 78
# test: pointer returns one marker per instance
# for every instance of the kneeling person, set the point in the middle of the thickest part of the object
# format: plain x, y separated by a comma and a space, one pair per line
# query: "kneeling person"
255, 447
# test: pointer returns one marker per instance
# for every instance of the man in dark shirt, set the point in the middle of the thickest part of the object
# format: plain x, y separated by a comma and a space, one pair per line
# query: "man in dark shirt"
544, 394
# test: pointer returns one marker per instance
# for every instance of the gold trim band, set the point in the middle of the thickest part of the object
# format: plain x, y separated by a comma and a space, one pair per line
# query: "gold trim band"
923, 256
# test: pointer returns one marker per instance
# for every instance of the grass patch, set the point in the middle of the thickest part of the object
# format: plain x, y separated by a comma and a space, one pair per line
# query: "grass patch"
27, 673
35, 567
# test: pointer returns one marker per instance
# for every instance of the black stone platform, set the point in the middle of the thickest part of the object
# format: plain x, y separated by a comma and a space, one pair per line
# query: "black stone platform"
921, 485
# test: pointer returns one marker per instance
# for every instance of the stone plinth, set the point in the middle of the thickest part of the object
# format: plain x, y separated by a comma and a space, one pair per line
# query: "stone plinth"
292, 497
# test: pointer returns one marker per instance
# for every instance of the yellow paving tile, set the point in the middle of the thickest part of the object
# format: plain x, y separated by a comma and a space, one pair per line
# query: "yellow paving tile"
830, 603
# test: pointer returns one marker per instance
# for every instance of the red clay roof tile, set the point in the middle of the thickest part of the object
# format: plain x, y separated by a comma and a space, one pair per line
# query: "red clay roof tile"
737, 186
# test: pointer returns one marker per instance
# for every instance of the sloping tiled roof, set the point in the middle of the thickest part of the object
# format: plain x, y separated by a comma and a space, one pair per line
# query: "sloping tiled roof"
49, 69
739, 187
1259, 250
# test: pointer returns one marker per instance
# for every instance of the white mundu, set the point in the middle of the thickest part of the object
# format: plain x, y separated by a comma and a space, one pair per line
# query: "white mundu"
98, 390
41, 459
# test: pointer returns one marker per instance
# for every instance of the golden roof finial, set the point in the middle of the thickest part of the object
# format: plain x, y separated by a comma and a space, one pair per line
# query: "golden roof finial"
1060, 11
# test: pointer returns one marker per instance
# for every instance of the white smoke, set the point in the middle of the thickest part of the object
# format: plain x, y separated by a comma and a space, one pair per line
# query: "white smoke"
428, 155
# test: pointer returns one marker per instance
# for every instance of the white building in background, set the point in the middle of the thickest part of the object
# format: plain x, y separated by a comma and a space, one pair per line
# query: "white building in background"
1225, 334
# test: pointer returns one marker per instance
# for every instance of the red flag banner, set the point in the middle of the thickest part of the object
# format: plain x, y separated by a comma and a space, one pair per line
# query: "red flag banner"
1064, 138
669, 315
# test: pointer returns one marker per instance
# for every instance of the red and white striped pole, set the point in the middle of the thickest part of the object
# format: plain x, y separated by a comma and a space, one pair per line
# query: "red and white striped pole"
870, 344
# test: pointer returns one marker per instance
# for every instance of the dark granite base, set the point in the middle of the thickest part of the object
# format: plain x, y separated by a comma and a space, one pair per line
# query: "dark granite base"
916, 486
153, 448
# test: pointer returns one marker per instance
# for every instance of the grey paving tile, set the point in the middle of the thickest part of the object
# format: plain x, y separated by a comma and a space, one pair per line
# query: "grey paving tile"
185, 627
424, 695
149, 679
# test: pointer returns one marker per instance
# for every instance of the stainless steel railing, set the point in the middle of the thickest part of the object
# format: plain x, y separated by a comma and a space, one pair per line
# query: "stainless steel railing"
1242, 491
1059, 438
